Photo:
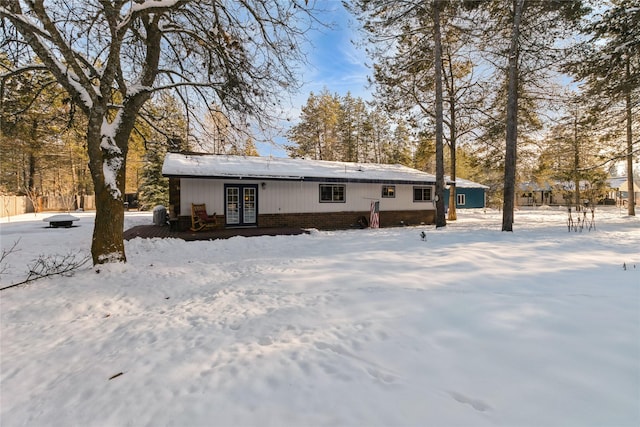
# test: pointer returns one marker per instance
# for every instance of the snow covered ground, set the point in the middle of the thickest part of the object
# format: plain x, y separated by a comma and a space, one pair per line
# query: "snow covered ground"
472, 327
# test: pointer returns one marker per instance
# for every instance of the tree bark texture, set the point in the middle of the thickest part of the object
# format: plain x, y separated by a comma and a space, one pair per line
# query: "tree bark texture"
107, 243
453, 215
437, 38
631, 199
576, 162
512, 120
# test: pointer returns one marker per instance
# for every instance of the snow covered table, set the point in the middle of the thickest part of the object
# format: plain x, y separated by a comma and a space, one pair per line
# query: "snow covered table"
61, 220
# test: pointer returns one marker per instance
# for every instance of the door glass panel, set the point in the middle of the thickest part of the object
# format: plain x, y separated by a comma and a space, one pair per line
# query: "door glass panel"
233, 208
249, 206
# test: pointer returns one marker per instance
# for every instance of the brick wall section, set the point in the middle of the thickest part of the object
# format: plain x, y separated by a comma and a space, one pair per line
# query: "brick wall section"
343, 220
397, 218
332, 220
321, 221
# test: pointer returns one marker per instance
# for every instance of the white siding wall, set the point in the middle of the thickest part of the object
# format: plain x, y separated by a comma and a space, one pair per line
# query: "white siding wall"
207, 191
296, 197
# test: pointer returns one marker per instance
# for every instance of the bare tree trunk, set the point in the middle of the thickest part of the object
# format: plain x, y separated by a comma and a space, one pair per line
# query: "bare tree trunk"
512, 121
453, 215
74, 187
631, 198
32, 158
576, 161
107, 244
440, 216
31, 182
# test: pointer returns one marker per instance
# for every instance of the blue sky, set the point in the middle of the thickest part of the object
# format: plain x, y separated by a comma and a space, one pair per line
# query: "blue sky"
335, 63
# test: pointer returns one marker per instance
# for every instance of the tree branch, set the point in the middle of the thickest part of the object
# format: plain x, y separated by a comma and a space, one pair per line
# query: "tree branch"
47, 266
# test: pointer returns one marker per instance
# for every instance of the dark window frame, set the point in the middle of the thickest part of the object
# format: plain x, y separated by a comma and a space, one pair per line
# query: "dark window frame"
385, 191
334, 194
422, 189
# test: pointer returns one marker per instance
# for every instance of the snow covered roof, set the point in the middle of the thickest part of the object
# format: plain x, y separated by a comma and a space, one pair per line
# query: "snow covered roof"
276, 168
465, 183
534, 186
620, 183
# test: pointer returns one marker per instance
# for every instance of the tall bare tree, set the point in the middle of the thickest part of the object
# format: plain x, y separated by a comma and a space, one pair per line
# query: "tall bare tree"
436, 7
406, 44
112, 55
459, 93
512, 118
522, 44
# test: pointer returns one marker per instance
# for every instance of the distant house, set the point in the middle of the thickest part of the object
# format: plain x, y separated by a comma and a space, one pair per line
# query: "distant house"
552, 193
469, 194
283, 192
619, 191
561, 193
534, 194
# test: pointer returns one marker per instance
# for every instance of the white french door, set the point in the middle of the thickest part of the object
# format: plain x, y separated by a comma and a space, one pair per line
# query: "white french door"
241, 205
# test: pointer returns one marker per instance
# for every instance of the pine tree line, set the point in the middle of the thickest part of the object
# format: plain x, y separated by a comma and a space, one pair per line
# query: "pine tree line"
344, 128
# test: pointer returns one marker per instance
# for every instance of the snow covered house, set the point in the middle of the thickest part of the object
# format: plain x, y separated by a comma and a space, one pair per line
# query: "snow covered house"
283, 192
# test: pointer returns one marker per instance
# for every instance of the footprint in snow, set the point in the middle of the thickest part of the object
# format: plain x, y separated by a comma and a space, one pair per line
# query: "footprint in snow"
381, 376
265, 341
476, 404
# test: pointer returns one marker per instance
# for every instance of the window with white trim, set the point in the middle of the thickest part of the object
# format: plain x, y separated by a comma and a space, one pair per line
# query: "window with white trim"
461, 199
422, 194
332, 193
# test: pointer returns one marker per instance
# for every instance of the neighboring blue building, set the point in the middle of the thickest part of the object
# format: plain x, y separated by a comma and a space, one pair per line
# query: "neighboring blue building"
469, 194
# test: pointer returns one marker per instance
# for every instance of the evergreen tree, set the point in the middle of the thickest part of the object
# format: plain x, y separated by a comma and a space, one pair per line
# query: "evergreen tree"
344, 129
399, 149
573, 150
377, 135
162, 128
317, 134
154, 188
352, 122
425, 154
39, 139
610, 66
